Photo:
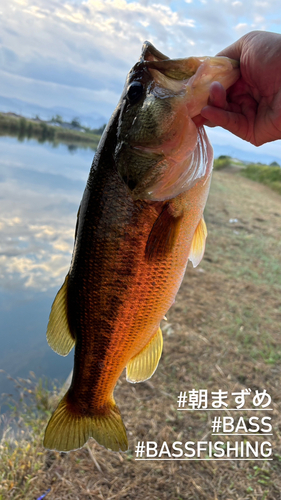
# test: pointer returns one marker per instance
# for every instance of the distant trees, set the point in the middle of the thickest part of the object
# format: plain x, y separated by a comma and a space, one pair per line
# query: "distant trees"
55, 130
99, 130
22, 128
76, 122
222, 162
57, 119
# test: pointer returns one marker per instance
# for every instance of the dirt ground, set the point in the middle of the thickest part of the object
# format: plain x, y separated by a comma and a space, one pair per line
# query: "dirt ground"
222, 333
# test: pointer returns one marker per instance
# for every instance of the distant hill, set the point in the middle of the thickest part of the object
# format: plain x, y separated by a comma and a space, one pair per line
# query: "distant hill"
253, 156
29, 110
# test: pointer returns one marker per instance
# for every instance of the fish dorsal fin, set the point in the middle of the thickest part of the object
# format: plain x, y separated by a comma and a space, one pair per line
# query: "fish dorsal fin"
143, 365
163, 234
59, 336
198, 243
150, 53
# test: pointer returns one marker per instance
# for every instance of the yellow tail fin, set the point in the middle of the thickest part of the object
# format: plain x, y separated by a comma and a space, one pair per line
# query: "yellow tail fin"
66, 431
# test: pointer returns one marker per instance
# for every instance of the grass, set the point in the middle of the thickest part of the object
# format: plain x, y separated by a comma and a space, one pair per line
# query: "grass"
21, 454
222, 162
222, 333
268, 175
22, 128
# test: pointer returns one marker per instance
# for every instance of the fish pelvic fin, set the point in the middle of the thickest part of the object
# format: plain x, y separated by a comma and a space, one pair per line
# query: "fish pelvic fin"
59, 336
68, 431
142, 366
198, 243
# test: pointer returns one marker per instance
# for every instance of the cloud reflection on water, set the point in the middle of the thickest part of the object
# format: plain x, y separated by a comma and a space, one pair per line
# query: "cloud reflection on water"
34, 255
40, 194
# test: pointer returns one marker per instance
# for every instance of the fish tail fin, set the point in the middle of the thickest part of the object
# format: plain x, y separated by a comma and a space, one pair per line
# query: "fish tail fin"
67, 430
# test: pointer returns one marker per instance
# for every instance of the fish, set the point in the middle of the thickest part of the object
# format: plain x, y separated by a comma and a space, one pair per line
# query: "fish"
139, 222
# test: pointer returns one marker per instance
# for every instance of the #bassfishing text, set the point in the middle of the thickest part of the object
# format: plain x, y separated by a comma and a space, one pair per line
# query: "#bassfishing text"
203, 450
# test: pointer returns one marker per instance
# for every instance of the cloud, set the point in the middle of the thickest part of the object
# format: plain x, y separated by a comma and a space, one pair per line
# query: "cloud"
241, 26
77, 53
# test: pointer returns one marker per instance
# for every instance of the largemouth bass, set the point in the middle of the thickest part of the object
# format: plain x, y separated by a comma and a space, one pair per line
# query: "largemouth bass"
140, 220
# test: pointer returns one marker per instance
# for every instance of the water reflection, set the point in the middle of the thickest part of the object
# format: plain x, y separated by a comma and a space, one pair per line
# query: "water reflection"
41, 188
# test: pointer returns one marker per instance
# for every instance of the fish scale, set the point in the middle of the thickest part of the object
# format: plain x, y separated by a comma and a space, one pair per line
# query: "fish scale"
140, 220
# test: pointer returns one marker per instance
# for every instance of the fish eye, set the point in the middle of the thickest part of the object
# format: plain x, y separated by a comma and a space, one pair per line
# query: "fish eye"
135, 92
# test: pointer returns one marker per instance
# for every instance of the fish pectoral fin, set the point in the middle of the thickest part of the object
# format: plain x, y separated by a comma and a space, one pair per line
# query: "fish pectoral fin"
59, 337
163, 234
143, 365
68, 430
198, 243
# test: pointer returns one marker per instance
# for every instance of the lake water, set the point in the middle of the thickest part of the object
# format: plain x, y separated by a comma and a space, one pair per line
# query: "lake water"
41, 188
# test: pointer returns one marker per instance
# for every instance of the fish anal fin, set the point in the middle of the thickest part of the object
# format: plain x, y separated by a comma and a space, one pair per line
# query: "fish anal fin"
163, 234
59, 337
142, 366
68, 431
198, 243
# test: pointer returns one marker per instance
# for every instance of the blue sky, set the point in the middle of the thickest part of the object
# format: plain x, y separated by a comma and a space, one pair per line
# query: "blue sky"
76, 54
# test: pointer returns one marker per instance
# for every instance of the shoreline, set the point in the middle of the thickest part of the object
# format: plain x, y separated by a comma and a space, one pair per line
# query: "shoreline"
18, 126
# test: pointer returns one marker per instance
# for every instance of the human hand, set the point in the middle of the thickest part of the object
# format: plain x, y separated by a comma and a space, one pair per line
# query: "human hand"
251, 108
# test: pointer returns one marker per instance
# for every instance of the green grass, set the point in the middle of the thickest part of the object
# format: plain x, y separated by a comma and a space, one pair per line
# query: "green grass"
270, 175
21, 453
222, 162
266, 174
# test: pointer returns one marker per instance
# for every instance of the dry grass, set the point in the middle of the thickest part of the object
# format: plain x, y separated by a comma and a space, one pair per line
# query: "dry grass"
222, 333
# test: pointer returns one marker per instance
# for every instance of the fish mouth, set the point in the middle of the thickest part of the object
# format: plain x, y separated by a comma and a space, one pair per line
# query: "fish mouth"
173, 77
177, 69
181, 68
189, 77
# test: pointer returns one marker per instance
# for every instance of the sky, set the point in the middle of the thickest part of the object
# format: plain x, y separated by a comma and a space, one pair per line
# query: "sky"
75, 54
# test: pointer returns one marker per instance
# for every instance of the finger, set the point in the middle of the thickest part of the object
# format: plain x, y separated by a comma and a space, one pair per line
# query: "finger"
236, 123
217, 98
217, 95
234, 50
199, 120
